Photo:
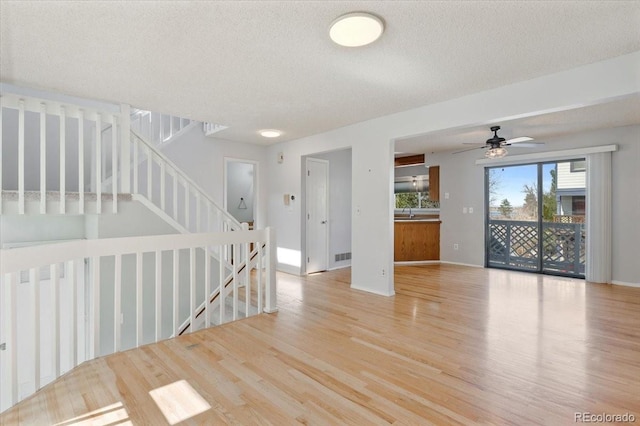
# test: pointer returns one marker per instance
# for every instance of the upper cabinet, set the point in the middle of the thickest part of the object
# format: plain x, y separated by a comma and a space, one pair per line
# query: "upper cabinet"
434, 183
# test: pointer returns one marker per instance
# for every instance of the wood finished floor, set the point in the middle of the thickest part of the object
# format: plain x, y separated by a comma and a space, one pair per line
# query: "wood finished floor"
456, 345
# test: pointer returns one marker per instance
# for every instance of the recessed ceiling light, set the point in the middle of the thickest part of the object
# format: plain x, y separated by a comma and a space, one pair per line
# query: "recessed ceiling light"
270, 133
356, 29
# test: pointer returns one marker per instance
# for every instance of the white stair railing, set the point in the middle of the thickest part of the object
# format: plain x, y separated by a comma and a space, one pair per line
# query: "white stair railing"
59, 147
168, 188
158, 128
121, 296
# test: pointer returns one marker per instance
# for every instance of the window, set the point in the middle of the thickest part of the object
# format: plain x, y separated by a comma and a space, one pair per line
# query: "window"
578, 166
415, 200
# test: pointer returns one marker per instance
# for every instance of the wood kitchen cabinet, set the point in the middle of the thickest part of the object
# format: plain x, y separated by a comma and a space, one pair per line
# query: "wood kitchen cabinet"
434, 183
416, 240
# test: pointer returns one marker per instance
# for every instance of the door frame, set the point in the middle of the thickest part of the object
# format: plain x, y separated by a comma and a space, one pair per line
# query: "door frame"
540, 267
256, 169
304, 212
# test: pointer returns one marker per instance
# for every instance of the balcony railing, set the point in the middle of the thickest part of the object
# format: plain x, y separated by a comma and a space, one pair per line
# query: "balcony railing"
515, 244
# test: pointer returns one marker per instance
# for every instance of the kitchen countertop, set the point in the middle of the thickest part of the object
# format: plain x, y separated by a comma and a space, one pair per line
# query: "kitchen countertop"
413, 220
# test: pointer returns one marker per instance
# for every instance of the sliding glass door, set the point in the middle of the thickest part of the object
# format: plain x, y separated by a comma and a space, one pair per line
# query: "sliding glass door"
535, 217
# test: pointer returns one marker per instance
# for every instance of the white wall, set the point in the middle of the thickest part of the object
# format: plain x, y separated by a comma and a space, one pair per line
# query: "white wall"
339, 205
202, 159
372, 161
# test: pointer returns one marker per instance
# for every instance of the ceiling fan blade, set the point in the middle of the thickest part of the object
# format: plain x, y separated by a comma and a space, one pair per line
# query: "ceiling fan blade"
525, 144
518, 140
470, 149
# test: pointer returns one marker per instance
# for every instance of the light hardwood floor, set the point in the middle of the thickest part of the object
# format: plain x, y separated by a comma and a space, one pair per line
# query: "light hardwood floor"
456, 345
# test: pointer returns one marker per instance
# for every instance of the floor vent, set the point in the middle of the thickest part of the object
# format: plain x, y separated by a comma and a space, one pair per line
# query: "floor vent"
343, 256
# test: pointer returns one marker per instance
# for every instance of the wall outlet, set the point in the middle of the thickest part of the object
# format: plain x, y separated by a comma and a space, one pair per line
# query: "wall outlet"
456, 246
383, 272
470, 210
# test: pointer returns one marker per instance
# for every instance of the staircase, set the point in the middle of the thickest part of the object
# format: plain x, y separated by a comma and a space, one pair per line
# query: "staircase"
64, 303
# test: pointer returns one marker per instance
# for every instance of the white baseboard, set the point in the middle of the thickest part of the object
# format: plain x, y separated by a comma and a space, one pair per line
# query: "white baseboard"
288, 269
339, 267
417, 262
461, 264
368, 290
626, 284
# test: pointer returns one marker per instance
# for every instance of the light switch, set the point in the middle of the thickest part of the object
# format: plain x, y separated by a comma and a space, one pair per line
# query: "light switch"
286, 199
446, 195
470, 210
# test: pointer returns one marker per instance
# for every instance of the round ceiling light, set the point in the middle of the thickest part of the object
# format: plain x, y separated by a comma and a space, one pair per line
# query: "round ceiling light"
270, 133
356, 29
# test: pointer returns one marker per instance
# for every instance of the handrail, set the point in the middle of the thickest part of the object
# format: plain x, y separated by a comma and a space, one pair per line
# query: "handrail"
192, 184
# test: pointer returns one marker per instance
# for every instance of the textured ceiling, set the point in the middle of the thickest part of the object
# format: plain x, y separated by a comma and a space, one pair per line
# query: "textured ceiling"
255, 65
621, 112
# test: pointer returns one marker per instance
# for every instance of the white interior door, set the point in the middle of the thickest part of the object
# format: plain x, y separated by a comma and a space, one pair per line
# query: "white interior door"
317, 208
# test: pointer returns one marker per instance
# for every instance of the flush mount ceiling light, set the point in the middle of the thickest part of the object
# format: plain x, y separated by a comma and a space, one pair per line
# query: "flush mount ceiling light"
356, 29
270, 133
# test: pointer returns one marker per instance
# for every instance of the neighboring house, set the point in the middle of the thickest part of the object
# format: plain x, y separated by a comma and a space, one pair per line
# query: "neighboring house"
571, 188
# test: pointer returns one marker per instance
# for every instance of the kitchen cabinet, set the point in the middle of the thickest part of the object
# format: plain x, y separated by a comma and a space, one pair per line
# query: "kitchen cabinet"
416, 240
434, 183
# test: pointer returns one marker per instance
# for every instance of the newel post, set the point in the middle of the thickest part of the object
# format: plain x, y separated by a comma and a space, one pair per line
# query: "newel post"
271, 303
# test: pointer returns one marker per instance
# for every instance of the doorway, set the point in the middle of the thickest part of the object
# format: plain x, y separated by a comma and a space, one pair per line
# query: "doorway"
317, 214
240, 189
535, 217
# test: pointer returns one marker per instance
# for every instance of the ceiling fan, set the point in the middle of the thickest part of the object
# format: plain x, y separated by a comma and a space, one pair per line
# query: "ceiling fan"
495, 145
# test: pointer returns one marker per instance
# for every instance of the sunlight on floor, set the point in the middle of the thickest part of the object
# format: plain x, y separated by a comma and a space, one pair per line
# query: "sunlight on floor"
114, 414
178, 401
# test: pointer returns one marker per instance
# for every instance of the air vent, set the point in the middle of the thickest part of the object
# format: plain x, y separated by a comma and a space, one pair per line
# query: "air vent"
342, 256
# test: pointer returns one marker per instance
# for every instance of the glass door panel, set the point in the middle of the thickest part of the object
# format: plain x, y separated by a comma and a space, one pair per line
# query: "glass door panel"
513, 217
563, 218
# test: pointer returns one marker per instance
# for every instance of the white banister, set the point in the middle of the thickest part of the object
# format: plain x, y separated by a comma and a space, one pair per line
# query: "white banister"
98, 163
114, 164
176, 293
125, 149
271, 296
192, 289
54, 273
139, 305
34, 287
158, 295
21, 200
81, 161
63, 160
207, 286
136, 147
43, 159
117, 303
94, 350
73, 278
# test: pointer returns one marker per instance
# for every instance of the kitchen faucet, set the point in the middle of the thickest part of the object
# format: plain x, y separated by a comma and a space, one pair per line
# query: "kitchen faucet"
410, 215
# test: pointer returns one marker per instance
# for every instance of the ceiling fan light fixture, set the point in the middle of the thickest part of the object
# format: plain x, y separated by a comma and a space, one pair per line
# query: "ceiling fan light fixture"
496, 152
356, 29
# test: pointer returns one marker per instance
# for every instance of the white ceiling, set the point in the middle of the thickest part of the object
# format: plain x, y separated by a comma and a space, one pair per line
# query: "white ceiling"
257, 64
620, 112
